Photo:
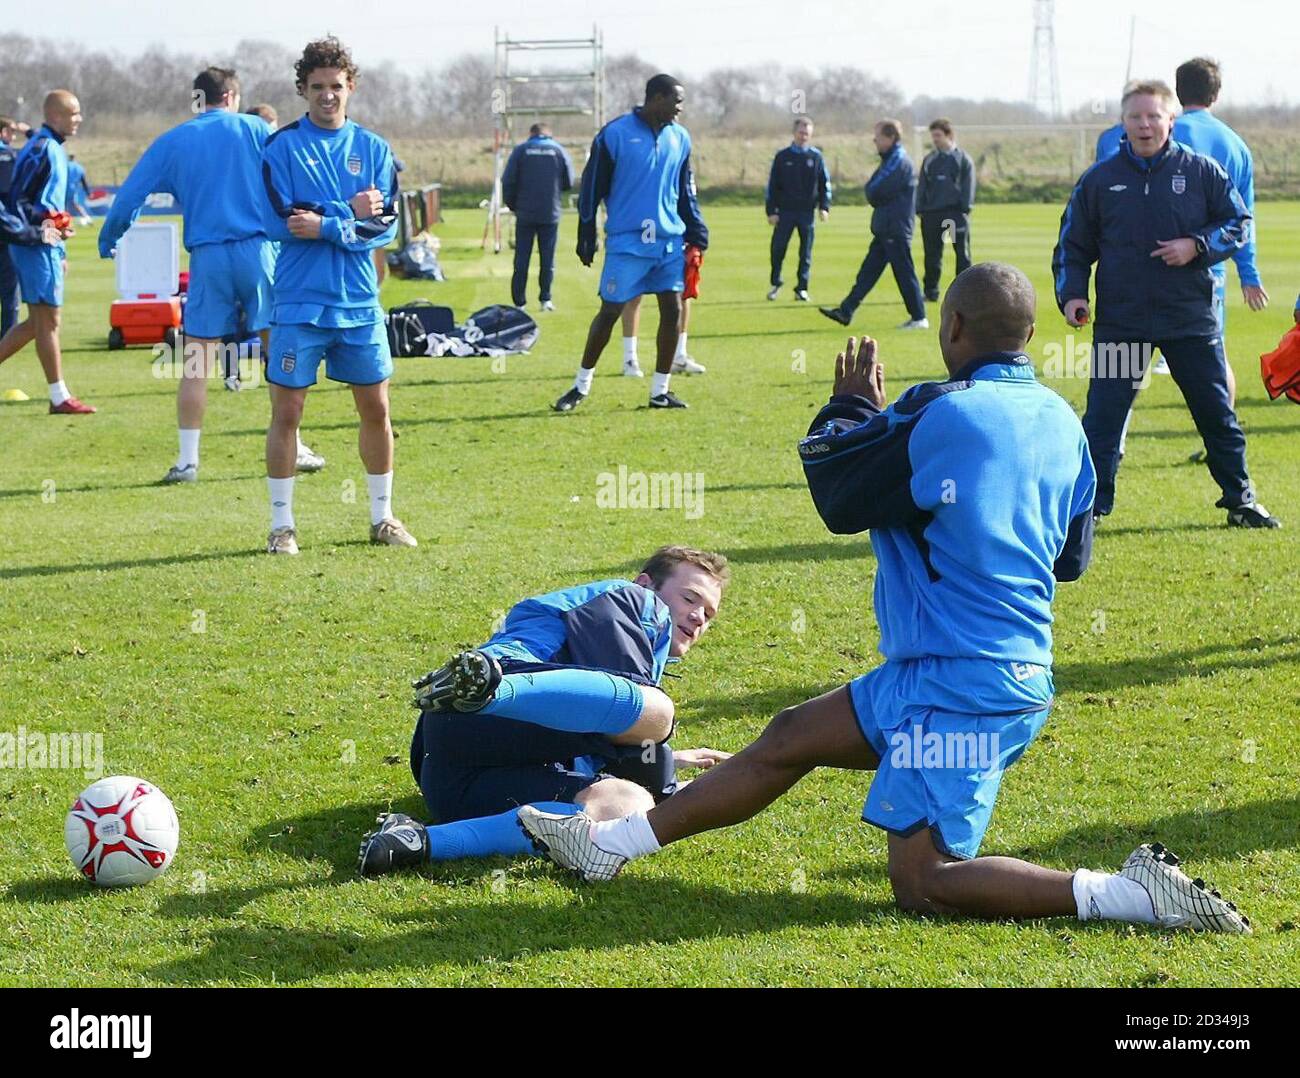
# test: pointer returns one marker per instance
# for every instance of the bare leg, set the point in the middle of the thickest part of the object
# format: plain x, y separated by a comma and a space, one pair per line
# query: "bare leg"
1232, 387
670, 315
823, 732
927, 881
282, 434
19, 336
45, 322
598, 336
611, 798
192, 393
655, 723
686, 316
632, 317
375, 438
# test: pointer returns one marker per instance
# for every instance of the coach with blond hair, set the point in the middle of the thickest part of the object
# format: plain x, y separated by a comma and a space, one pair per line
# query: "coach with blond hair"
1155, 218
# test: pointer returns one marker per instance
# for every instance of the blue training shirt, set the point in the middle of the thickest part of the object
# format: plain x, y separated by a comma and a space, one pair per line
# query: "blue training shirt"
1108, 142
212, 165
1206, 133
329, 281
646, 183
978, 493
615, 625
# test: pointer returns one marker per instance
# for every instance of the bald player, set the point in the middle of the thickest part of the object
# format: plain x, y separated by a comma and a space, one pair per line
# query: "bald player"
37, 197
977, 492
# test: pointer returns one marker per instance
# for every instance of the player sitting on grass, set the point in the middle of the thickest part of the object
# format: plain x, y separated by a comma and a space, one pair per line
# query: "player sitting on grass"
560, 708
978, 493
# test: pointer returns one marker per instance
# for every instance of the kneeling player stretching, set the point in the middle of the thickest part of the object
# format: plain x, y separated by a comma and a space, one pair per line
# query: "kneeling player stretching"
561, 708
978, 493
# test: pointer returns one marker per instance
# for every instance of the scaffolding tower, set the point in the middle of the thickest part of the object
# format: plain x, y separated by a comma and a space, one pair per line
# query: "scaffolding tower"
1044, 85
523, 96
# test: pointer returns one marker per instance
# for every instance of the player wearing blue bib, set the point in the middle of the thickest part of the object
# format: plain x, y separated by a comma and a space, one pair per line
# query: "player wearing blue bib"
36, 198
212, 165
78, 191
977, 492
640, 167
330, 198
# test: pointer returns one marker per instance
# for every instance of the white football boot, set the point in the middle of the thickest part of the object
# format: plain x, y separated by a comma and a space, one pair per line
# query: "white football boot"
1180, 902
566, 840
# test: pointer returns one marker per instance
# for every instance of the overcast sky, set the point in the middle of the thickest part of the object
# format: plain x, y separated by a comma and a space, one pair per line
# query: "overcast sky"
965, 48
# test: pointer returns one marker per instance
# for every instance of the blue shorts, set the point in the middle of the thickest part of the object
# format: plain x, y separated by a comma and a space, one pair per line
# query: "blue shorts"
40, 273
225, 277
357, 355
625, 277
941, 767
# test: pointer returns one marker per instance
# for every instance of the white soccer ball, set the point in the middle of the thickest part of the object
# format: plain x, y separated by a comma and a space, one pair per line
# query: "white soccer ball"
121, 831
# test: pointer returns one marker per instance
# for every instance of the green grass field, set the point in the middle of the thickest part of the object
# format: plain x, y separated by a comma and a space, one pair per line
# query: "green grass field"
281, 729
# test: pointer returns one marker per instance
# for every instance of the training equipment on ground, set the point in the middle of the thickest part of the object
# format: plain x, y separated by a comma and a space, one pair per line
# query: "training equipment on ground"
121, 831
147, 266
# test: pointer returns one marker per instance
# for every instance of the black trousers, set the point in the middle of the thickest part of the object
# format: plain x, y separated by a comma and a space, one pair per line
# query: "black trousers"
787, 222
545, 235
1201, 373
896, 253
937, 228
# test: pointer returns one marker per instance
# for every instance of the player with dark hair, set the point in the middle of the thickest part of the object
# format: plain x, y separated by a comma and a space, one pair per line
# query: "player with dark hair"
945, 196
640, 167
891, 193
212, 163
537, 173
331, 198
977, 492
562, 708
36, 197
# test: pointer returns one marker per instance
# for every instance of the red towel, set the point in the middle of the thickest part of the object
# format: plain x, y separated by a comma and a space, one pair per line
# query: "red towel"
1280, 368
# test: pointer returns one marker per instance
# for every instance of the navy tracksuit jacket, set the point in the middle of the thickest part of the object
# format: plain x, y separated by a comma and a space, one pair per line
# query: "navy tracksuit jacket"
1118, 212
799, 185
891, 192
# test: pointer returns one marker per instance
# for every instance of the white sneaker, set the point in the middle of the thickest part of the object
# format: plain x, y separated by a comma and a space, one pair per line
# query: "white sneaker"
686, 365
233, 383
1180, 902
566, 840
776, 291
915, 323
1160, 366
547, 305
632, 369
309, 461
177, 474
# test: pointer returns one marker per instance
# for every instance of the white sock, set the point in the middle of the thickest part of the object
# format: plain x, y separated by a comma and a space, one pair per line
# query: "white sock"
189, 453
1110, 897
582, 383
632, 836
681, 344
281, 491
381, 496
58, 393
629, 350
659, 384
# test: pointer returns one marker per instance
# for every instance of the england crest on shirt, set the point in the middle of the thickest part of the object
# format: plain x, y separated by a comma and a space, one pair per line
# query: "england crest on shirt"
354, 165
1179, 184
288, 361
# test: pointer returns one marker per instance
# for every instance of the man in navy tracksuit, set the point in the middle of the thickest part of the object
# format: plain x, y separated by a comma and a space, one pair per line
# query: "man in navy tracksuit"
891, 192
798, 187
945, 193
537, 172
1156, 217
